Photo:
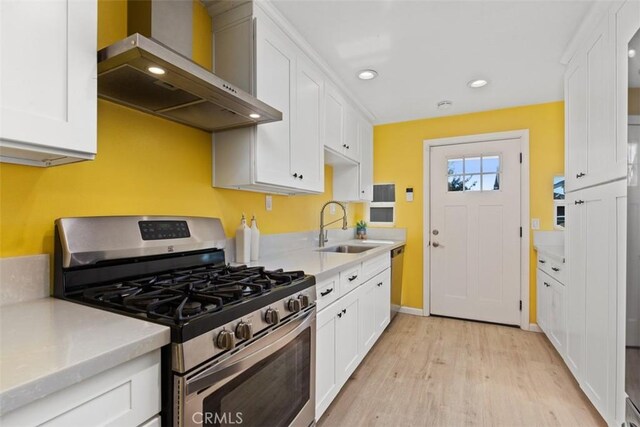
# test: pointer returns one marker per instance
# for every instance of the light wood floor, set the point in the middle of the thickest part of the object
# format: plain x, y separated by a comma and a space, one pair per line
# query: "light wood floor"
429, 371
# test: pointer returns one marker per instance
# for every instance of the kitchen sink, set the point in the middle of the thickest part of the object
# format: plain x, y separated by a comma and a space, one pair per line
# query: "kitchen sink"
347, 249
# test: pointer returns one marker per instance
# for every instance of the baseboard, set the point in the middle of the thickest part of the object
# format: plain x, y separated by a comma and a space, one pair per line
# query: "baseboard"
533, 327
411, 310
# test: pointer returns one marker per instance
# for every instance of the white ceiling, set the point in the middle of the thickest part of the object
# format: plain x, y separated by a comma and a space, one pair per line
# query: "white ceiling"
427, 51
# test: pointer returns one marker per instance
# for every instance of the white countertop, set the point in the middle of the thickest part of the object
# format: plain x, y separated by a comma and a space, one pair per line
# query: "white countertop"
49, 344
323, 265
553, 251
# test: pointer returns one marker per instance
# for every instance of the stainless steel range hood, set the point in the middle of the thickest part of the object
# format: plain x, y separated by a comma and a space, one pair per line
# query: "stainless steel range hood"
183, 91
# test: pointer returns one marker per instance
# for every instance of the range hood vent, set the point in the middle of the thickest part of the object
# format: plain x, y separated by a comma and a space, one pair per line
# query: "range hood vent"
186, 92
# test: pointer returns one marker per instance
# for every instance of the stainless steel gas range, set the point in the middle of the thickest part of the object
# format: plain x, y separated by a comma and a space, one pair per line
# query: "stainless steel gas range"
242, 338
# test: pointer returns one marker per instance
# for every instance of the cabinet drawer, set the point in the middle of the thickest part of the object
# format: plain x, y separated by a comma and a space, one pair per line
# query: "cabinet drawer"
375, 265
327, 292
350, 279
553, 268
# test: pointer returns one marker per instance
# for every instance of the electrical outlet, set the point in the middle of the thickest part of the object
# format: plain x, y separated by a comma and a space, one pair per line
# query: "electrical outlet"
269, 202
332, 208
535, 223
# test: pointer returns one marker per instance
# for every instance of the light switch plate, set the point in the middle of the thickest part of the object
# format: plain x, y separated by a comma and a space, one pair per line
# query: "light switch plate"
268, 202
535, 223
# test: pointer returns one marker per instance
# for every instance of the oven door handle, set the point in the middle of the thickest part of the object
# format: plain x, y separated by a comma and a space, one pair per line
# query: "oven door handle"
232, 366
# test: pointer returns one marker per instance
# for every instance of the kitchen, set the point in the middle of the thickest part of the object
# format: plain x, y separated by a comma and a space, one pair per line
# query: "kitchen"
104, 178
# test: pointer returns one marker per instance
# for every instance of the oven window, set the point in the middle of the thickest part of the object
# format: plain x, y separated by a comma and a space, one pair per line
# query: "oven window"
270, 393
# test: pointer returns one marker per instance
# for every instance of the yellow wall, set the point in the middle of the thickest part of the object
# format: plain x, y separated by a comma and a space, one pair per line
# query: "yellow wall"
145, 165
398, 158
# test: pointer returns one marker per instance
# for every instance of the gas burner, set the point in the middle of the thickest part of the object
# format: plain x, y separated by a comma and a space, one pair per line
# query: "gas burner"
186, 294
115, 293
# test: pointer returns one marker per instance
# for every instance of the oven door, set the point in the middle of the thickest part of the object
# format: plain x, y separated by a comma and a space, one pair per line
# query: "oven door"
269, 382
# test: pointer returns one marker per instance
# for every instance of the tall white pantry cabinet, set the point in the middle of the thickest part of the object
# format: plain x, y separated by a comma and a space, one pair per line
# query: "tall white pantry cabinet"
595, 167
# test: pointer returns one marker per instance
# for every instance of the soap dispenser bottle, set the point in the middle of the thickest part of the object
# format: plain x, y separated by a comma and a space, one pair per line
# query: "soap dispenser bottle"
243, 242
255, 240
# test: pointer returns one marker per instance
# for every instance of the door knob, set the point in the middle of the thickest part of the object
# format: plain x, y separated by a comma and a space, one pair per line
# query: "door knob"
435, 244
435, 232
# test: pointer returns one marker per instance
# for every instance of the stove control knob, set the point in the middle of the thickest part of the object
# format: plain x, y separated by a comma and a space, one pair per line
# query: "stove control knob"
225, 340
294, 305
244, 331
272, 316
304, 300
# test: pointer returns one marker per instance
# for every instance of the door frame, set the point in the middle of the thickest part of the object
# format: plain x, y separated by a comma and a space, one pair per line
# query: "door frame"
525, 244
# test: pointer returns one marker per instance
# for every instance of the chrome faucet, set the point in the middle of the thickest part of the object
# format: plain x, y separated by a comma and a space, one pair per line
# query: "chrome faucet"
323, 234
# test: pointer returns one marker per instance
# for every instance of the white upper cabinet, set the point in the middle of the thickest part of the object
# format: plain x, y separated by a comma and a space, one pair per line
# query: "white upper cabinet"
351, 139
365, 138
275, 85
307, 154
334, 119
48, 114
594, 154
280, 157
341, 125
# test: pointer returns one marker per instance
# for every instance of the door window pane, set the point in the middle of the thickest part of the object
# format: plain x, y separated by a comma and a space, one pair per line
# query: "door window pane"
490, 164
472, 183
478, 173
490, 181
456, 182
472, 165
455, 167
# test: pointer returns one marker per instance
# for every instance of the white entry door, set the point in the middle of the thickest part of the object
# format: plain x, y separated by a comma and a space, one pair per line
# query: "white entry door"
475, 231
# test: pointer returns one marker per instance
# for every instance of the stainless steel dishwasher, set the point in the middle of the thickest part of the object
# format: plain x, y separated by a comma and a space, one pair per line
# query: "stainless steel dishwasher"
397, 255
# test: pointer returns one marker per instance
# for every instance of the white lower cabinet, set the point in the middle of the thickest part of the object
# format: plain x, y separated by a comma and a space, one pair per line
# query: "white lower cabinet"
551, 310
596, 240
126, 395
348, 346
348, 327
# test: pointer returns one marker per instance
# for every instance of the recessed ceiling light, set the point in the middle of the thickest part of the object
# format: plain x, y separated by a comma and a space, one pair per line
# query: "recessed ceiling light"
443, 105
632, 53
367, 74
254, 116
156, 70
475, 84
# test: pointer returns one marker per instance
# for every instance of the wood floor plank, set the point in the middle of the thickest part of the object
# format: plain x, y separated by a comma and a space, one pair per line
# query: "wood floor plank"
430, 371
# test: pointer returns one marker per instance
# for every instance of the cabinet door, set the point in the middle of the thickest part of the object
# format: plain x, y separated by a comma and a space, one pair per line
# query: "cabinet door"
307, 148
48, 113
594, 157
351, 143
556, 316
368, 330
575, 84
383, 300
334, 110
365, 136
275, 66
603, 206
575, 291
347, 351
542, 298
327, 382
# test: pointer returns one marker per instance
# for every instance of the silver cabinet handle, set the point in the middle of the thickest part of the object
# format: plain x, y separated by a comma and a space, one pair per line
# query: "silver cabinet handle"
580, 175
556, 269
